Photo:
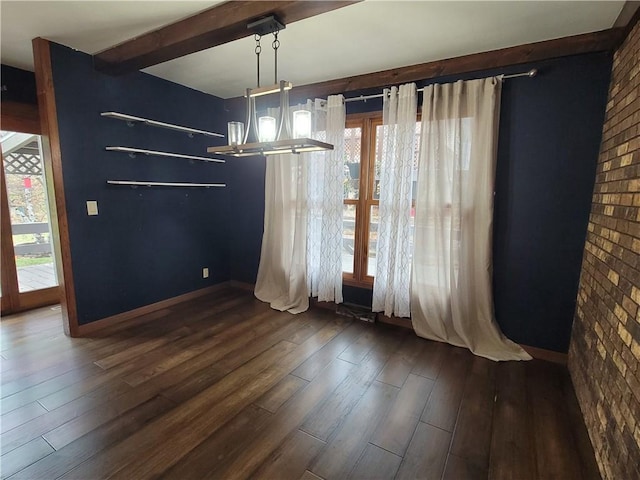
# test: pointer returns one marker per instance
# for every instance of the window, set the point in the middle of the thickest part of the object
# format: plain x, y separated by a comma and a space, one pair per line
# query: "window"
363, 144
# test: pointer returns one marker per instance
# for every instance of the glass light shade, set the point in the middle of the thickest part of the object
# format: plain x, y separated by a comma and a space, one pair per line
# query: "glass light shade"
302, 124
235, 133
267, 129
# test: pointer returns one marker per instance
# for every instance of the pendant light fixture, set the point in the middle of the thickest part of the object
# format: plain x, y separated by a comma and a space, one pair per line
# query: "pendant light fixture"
267, 135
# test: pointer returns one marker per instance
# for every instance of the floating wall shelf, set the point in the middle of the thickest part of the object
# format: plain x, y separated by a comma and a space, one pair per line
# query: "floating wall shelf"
132, 120
135, 151
137, 183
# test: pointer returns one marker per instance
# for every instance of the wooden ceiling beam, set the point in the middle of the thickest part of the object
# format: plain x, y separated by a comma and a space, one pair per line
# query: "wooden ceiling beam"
605, 40
217, 25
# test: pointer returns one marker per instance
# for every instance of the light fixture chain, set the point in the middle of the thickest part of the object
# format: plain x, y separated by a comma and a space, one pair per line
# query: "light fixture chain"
275, 45
258, 49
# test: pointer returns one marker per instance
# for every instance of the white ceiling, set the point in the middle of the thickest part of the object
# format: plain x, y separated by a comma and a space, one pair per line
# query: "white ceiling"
362, 38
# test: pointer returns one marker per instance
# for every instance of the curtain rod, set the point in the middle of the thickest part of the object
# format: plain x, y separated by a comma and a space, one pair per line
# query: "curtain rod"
531, 73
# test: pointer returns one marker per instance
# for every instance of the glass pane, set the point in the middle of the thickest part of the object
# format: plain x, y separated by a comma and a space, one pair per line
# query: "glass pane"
27, 193
373, 240
352, 150
348, 237
380, 139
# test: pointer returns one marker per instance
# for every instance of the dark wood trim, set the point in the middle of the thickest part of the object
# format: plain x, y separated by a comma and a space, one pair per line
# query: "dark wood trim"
52, 157
628, 19
350, 281
393, 320
627, 14
19, 117
547, 355
249, 287
103, 323
38, 298
9, 276
217, 25
605, 40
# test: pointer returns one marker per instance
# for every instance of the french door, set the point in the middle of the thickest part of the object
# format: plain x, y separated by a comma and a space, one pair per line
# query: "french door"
28, 270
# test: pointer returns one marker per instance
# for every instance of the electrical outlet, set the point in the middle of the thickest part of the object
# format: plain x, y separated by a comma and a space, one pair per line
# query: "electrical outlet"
205, 272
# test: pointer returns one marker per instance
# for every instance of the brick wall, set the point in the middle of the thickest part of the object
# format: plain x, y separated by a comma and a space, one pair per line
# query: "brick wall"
604, 355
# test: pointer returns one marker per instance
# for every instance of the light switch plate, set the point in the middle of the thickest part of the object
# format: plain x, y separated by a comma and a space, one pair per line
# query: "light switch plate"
205, 272
92, 207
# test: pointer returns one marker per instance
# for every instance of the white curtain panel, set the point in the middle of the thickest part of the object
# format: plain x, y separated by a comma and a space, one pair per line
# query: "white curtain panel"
325, 191
282, 276
302, 238
393, 254
451, 294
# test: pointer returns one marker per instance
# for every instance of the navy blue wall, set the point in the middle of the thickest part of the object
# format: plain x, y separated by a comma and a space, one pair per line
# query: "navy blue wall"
247, 210
146, 244
550, 131
18, 85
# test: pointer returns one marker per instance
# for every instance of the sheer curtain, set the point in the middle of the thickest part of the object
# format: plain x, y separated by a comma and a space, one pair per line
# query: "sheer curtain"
451, 294
325, 191
302, 238
393, 254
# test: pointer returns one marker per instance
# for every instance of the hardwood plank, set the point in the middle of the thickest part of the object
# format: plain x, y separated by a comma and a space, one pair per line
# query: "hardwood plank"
307, 475
215, 26
92, 388
189, 373
512, 443
279, 394
291, 459
181, 424
346, 447
204, 378
287, 420
396, 429
328, 417
74, 453
376, 463
21, 415
460, 469
472, 436
427, 453
141, 349
55, 418
581, 439
21, 457
197, 418
243, 356
123, 317
551, 428
357, 351
399, 366
94, 415
224, 329
23, 373
430, 360
317, 362
48, 387
442, 407
227, 442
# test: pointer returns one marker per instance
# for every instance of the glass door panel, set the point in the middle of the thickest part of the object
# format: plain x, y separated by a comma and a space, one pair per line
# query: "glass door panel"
348, 237
28, 211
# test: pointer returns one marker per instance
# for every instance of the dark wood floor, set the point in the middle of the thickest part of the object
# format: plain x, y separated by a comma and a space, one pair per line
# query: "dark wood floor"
225, 387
